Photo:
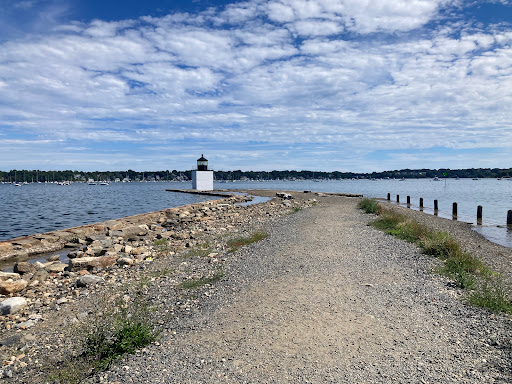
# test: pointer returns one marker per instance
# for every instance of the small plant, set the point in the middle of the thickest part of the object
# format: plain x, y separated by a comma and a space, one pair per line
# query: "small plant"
491, 296
117, 326
369, 205
196, 283
465, 270
238, 242
201, 250
160, 242
296, 209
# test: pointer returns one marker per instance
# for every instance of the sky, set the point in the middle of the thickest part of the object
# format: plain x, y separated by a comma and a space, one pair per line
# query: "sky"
346, 85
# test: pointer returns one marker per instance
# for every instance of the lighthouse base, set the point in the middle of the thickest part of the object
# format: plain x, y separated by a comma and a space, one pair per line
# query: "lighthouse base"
202, 180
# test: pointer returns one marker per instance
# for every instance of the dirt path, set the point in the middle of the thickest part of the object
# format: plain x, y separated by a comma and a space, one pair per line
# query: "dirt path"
328, 299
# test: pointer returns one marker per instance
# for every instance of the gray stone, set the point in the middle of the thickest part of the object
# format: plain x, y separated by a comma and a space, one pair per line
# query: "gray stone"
82, 263
41, 275
12, 305
88, 280
125, 261
56, 267
25, 267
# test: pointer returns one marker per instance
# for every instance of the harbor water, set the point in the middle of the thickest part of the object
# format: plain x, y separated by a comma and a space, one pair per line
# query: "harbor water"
37, 208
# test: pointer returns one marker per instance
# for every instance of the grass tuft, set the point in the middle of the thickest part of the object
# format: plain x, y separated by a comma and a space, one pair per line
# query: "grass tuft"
196, 283
465, 270
238, 242
369, 205
491, 296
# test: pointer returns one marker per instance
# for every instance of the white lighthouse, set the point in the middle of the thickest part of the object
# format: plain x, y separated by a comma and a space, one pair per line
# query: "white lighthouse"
202, 178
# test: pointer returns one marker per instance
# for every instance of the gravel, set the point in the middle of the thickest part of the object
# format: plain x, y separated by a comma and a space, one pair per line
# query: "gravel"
325, 299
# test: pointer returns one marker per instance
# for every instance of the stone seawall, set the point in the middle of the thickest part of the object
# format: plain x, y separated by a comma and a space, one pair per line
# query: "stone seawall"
22, 248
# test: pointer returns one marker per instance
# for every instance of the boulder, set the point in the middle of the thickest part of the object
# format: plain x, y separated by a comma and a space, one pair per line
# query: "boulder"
56, 267
41, 275
82, 263
8, 287
283, 195
88, 280
130, 232
12, 305
125, 261
8, 275
25, 267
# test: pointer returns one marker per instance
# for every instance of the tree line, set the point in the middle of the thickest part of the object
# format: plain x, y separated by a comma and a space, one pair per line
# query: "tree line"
174, 175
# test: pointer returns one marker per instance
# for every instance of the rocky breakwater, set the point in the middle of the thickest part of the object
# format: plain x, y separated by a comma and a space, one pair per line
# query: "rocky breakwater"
105, 253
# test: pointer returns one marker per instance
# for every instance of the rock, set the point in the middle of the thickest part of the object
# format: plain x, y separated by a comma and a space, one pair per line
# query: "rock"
283, 195
88, 280
118, 248
12, 340
8, 275
25, 267
131, 232
26, 324
56, 267
53, 257
8, 287
287, 204
41, 275
82, 263
128, 248
125, 261
12, 305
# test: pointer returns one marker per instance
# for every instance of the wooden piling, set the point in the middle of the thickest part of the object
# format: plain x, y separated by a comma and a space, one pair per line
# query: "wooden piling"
479, 215
454, 211
389, 196
397, 198
408, 201
436, 207
509, 218
421, 203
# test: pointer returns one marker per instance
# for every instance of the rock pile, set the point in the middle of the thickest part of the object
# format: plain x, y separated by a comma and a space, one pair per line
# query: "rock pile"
106, 255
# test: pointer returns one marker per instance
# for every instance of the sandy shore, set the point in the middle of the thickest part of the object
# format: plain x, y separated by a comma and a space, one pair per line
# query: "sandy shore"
324, 298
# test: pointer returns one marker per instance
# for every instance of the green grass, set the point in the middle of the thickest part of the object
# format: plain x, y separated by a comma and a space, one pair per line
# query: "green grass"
196, 283
491, 296
160, 242
239, 242
369, 205
296, 209
116, 327
465, 270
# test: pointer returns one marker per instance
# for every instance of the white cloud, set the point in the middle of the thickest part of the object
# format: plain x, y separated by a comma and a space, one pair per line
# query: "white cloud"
181, 77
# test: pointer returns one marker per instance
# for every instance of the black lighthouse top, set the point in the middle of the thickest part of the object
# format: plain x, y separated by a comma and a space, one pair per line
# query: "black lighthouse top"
202, 164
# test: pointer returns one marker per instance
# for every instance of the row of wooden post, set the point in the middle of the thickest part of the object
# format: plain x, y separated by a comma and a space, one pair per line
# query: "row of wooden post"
479, 209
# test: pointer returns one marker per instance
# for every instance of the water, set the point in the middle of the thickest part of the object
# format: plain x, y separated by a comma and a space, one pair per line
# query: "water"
37, 208
495, 197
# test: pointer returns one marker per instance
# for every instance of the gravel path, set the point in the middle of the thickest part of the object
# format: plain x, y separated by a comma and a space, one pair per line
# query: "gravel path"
328, 299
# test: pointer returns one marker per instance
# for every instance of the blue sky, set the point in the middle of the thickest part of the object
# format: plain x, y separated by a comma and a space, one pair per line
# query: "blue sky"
348, 85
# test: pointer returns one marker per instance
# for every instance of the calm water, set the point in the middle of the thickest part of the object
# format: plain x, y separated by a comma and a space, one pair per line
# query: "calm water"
37, 208
495, 197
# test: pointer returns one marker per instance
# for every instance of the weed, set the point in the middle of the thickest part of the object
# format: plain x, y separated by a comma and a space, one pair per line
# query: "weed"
160, 242
238, 242
465, 270
162, 272
196, 283
296, 209
201, 250
491, 296
117, 326
369, 205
